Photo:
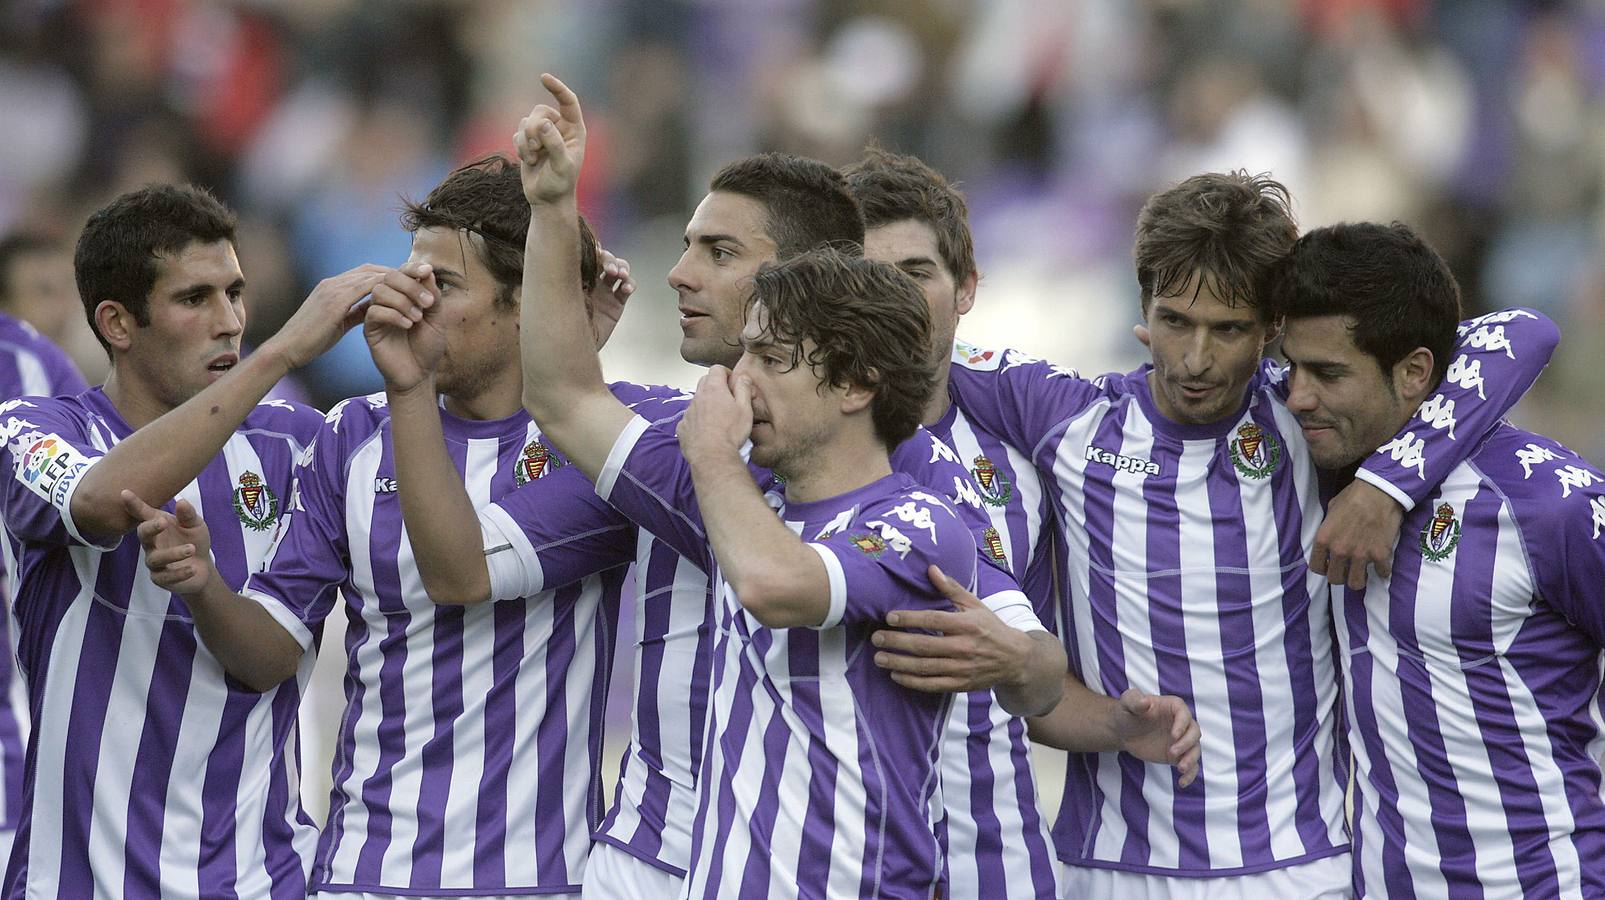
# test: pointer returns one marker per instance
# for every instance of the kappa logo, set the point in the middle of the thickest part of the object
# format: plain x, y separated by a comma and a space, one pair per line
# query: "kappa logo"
1440, 535
383, 485
1121, 462
536, 461
996, 489
1255, 453
255, 503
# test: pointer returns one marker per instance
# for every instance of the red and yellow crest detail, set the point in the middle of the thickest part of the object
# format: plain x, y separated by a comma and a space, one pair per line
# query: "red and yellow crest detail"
994, 545
536, 461
871, 545
1254, 453
1441, 534
254, 502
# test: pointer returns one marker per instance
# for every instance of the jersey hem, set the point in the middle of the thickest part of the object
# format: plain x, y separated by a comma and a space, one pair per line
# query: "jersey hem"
1208, 873
344, 888
643, 856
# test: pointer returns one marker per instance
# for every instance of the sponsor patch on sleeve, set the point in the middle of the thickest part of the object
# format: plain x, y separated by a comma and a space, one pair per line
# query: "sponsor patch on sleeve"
49, 466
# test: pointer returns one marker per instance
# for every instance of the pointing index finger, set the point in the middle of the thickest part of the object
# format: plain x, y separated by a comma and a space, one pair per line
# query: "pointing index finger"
567, 102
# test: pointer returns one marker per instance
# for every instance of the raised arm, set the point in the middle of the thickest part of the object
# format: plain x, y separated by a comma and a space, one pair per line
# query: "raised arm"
250, 644
563, 386
156, 461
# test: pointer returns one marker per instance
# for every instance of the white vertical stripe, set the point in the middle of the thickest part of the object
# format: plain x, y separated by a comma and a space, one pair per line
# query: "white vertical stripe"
530, 690
31, 372
841, 712
418, 716
578, 681
1387, 703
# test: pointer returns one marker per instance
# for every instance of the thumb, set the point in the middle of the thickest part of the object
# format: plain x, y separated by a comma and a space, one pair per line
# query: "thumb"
185, 513
1135, 701
741, 389
136, 507
951, 589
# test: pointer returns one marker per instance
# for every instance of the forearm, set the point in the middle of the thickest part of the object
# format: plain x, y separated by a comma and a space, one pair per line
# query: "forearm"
156, 461
558, 347
1082, 722
774, 574
442, 525
1042, 675
245, 638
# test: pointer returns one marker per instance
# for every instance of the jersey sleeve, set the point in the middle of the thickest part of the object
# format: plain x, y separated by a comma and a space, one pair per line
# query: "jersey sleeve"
47, 453
879, 562
1563, 521
1495, 361
1016, 397
550, 532
647, 478
299, 581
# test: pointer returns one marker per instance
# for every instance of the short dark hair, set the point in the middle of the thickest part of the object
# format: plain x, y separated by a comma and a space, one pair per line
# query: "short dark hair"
1224, 228
892, 187
1397, 289
117, 251
20, 243
486, 197
807, 202
870, 326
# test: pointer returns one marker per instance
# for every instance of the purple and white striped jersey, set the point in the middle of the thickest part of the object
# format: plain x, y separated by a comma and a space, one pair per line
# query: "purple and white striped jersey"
150, 772
468, 756
820, 770
30, 366
656, 802
1185, 572
1471, 678
995, 833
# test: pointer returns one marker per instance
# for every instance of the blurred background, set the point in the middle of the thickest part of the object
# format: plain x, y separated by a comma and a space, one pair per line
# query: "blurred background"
1479, 122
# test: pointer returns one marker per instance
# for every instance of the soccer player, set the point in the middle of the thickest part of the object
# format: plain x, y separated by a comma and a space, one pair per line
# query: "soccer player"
821, 768
1188, 507
36, 287
759, 208
150, 773
30, 365
996, 837
1471, 674
468, 761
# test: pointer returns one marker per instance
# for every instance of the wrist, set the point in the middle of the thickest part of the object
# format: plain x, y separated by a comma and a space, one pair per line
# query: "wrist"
419, 391
273, 354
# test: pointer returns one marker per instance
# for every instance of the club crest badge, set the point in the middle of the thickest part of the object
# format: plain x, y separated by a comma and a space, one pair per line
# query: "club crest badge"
871, 545
537, 460
994, 545
255, 503
1441, 534
995, 487
1255, 453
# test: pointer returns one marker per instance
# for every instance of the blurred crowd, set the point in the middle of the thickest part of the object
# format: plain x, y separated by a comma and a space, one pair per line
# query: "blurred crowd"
1479, 122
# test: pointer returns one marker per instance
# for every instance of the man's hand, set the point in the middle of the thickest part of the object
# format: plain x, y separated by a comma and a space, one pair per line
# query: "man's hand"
606, 301
334, 307
719, 418
973, 650
551, 146
404, 335
1361, 529
1158, 730
178, 547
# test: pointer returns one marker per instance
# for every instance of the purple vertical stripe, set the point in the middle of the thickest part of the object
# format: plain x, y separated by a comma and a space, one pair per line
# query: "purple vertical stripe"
285, 866
730, 743
761, 827
1234, 598
1043, 877
988, 829
814, 850
603, 631
655, 578
220, 795
344, 765
1360, 664
1170, 639
551, 740
437, 757
501, 724
153, 760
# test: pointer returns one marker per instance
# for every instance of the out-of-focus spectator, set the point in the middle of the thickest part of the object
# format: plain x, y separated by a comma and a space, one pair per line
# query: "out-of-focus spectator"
36, 286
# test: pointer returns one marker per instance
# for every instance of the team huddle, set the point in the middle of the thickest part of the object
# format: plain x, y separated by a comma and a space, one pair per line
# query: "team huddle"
869, 564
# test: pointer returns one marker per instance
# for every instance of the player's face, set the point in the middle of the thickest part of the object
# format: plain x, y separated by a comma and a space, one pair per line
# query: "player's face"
910, 245
197, 314
1205, 352
40, 291
481, 335
1346, 405
726, 241
792, 412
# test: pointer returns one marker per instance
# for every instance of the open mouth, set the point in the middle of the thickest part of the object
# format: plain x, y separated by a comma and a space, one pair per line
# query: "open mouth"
224, 363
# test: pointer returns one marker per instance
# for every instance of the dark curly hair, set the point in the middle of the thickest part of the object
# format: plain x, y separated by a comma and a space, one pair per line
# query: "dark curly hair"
892, 187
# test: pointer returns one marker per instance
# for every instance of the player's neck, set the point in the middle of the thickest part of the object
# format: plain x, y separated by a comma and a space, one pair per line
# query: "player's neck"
498, 401
844, 463
133, 400
939, 402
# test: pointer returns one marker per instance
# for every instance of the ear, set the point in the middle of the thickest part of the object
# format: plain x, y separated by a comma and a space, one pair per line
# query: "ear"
857, 397
115, 323
1412, 376
964, 300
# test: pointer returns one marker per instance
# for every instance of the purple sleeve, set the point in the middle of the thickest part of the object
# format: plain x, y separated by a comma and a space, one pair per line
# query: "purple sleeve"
557, 531
878, 563
1559, 501
647, 478
928, 460
46, 454
309, 559
1016, 397
1495, 361
65, 379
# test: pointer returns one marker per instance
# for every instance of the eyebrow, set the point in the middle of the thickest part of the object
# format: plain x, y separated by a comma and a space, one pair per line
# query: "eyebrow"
440, 271
706, 239
908, 261
201, 287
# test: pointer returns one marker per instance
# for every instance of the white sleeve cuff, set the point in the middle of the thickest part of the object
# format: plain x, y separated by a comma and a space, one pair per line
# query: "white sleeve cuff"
838, 586
622, 446
514, 567
110, 542
1386, 487
1014, 609
282, 614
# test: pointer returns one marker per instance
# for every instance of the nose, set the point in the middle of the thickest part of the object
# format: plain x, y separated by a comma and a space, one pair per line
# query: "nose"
230, 319
681, 276
1300, 395
1200, 353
